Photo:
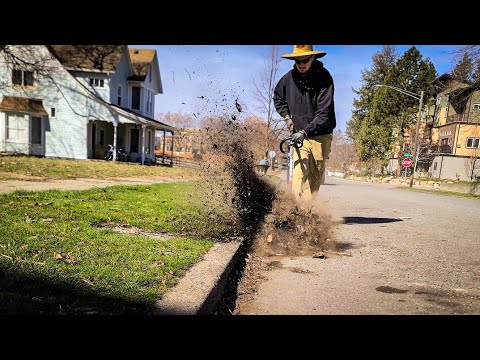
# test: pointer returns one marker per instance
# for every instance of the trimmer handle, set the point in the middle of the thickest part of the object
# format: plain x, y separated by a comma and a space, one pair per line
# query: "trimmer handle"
287, 143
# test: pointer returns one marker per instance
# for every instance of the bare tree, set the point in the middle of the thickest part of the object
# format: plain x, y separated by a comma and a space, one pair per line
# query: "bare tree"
472, 54
472, 165
257, 133
342, 156
264, 89
185, 140
472, 51
178, 120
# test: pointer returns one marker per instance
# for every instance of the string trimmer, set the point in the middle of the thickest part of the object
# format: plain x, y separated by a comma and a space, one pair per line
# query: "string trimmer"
286, 147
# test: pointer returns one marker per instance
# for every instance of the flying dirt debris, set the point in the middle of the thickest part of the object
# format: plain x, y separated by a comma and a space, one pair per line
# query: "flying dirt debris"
266, 210
238, 106
265, 213
293, 229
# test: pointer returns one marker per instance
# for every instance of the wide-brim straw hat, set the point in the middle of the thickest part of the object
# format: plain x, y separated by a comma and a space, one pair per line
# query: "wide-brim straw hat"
304, 50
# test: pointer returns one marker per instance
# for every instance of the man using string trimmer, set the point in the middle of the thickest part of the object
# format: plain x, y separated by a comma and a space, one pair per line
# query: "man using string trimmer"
304, 98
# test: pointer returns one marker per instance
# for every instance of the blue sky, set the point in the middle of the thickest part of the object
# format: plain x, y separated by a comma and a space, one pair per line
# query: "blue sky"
221, 73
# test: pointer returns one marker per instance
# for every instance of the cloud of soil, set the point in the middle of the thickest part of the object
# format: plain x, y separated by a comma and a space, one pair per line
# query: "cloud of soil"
265, 210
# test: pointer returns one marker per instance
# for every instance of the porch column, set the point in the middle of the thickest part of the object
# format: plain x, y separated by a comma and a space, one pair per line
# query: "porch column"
171, 149
164, 144
144, 127
115, 125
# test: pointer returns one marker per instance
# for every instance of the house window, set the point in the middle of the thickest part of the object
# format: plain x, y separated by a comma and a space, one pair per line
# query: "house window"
52, 112
97, 82
476, 106
446, 106
473, 143
134, 140
22, 77
36, 130
15, 125
136, 97
150, 74
119, 96
149, 102
94, 135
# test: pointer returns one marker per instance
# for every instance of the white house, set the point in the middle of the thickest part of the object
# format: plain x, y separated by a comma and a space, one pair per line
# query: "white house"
72, 101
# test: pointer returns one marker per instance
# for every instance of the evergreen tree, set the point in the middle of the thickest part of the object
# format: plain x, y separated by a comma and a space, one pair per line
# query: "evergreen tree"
382, 61
391, 111
413, 74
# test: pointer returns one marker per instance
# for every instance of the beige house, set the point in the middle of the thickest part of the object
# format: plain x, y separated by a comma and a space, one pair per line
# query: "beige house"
455, 129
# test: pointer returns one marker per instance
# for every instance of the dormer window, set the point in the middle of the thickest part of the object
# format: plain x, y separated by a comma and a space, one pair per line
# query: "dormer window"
119, 96
149, 102
135, 97
97, 82
22, 77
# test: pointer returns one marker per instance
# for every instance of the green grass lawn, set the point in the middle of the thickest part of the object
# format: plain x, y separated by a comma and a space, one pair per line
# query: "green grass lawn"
60, 252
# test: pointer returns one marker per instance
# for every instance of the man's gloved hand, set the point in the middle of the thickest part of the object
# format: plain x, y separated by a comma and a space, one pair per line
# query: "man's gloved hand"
289, 122
298, 137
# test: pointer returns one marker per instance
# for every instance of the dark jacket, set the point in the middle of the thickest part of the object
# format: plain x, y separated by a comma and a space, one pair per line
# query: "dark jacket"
308, 99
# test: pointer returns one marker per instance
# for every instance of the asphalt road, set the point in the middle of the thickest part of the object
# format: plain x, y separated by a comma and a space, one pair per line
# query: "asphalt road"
411, 253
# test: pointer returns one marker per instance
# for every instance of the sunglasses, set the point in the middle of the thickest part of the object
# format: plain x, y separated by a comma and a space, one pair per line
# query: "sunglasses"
304, 61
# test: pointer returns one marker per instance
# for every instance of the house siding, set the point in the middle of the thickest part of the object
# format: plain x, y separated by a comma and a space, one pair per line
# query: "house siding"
84, 78
66, 133
155, 85
450, 167
119, 78
474, 115
78, 110
467, 131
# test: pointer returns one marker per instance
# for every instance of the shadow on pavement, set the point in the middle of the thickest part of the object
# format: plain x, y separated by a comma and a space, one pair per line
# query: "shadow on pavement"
343, 245
368, 220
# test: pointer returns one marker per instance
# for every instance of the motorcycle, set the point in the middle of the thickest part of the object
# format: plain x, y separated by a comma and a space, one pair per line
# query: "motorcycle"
121, 154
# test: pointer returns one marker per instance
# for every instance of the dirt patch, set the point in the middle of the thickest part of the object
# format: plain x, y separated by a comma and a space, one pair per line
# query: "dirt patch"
132, 230
252, 277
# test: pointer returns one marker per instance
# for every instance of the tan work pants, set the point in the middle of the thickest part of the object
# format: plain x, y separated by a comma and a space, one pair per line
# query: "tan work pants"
309, 166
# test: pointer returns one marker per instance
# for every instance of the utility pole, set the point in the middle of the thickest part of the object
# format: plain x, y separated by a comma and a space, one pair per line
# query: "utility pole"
415, 146
417, 128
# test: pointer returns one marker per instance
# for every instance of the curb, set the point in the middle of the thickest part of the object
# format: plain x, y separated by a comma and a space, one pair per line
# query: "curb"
199, 291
